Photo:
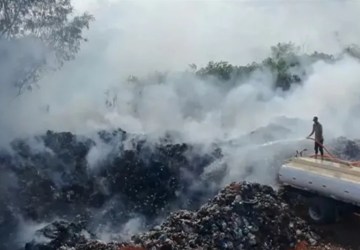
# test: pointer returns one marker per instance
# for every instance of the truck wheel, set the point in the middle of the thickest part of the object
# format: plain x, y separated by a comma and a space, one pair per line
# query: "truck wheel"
322, 210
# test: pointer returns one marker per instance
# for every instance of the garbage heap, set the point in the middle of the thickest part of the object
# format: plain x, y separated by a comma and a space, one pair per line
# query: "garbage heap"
50, 177
346, 149
241, 216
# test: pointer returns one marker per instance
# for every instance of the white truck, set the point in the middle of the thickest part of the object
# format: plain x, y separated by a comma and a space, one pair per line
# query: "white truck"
331, 187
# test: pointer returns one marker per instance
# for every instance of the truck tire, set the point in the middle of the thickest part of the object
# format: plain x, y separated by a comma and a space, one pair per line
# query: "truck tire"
322, 210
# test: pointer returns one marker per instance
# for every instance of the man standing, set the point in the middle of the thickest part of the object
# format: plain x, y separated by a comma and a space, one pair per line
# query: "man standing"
319, 139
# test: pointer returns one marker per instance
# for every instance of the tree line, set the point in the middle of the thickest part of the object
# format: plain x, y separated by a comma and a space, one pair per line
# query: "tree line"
54, 23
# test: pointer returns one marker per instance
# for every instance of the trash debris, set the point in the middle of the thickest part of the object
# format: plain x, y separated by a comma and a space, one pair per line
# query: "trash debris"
49, 178
241, 216
60, 234
346, 149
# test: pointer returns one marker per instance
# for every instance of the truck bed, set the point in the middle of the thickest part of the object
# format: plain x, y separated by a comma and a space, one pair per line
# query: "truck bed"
328, 178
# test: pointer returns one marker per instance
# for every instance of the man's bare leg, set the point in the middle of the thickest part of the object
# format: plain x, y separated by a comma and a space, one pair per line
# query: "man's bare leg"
322, 152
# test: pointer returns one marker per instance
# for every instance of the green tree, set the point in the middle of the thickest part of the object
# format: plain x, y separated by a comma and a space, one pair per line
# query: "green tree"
50, 21
283, 57
222, 70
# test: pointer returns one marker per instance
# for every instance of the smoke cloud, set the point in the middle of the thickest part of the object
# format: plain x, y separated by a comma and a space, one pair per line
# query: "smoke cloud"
140, 37
255, 126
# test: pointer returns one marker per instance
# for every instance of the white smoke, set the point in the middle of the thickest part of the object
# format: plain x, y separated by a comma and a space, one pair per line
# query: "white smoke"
124, 232
139, 37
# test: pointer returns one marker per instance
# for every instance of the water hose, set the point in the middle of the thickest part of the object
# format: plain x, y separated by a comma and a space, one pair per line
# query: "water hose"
334, 158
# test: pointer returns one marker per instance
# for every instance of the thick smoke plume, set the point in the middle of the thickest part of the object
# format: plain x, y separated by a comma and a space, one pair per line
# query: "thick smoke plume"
255, 125
133, 38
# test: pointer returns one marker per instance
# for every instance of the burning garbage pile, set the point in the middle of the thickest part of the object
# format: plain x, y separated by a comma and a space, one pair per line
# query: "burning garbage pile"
60, 234
50, 178
241, 216
346, 149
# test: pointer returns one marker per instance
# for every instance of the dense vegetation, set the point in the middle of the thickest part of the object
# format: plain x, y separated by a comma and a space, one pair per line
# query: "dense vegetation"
286, 62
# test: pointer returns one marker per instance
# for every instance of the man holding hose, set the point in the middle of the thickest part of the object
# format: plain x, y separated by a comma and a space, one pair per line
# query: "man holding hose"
319, 139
